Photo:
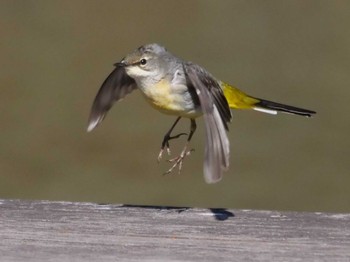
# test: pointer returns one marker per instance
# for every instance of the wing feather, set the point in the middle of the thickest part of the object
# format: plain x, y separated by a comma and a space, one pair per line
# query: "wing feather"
116, 86
216, 114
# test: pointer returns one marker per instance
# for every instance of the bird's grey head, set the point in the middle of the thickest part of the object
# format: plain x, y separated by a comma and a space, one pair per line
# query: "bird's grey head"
146, 61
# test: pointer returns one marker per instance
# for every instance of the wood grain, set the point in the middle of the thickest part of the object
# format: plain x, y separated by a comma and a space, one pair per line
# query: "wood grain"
64, 231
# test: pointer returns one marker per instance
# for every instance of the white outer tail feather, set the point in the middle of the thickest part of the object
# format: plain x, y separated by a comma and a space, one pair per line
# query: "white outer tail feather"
264, 110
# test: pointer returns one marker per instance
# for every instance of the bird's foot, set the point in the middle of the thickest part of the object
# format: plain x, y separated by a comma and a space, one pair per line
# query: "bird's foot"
178, 161
161, 153
166, 146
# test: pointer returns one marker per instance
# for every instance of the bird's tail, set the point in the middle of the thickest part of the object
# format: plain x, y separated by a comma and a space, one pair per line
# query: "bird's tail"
239, 100
268, 106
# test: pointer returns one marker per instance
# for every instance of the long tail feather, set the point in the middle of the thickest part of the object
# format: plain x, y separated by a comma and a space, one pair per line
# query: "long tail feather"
273, 108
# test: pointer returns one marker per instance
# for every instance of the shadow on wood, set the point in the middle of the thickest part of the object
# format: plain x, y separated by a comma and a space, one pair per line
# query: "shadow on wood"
219, 214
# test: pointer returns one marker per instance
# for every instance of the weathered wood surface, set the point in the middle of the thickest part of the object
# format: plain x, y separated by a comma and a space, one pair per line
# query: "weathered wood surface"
64, 231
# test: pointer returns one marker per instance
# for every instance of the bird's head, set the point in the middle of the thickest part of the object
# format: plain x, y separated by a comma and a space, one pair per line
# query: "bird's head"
146, 61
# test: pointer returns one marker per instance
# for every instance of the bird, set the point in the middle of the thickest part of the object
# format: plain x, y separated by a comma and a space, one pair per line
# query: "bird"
183, 89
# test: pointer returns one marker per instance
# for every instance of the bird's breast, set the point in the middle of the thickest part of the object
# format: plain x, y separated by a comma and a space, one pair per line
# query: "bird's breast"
171, 99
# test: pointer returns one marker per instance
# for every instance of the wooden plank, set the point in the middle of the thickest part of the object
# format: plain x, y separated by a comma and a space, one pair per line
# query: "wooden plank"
64, 231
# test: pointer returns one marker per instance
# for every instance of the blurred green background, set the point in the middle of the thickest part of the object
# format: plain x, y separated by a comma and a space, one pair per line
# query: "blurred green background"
54, 55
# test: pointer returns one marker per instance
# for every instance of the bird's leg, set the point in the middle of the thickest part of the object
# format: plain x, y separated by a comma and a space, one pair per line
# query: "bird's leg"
167, 138
178, 161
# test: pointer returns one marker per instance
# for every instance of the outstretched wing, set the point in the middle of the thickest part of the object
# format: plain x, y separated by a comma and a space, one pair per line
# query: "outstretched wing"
216, 113
116, 86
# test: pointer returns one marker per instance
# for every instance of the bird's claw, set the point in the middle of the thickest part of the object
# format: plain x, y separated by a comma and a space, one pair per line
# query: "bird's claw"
178, 161
166, 145
161, 153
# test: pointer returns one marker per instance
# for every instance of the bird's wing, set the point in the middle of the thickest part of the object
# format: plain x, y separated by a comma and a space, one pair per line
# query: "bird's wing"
216, 113
116, 86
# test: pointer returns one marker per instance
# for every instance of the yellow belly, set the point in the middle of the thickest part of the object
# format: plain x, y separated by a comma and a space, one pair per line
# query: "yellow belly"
170, 100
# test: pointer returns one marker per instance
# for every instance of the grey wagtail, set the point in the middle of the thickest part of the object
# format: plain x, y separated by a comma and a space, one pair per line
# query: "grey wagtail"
183, 89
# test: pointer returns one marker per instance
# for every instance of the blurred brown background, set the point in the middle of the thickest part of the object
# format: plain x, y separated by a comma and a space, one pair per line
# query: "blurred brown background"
54, 56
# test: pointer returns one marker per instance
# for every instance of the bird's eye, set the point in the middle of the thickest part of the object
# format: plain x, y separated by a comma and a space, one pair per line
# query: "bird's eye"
143, 61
